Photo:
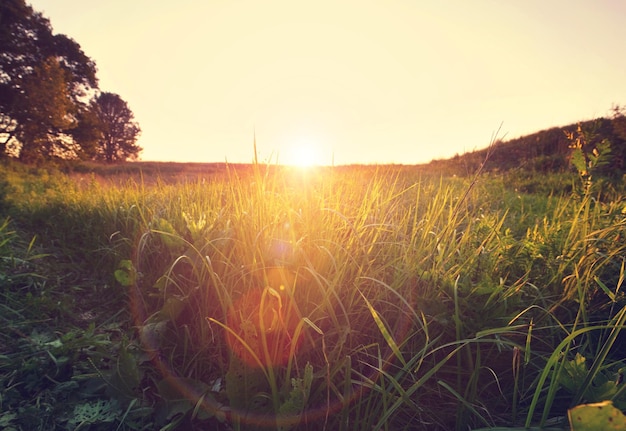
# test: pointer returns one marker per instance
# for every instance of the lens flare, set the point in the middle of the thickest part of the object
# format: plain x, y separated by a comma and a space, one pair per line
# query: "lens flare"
262, 326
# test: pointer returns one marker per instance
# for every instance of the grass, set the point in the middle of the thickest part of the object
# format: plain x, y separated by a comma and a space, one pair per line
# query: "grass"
379, 298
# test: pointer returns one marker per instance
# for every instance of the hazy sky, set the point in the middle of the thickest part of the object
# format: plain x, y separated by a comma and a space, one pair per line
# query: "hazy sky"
368, 82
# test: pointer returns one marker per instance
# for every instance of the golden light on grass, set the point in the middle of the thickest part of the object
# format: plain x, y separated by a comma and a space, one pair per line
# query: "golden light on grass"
263, 322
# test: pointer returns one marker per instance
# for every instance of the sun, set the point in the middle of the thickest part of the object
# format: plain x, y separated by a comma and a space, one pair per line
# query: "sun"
304, 153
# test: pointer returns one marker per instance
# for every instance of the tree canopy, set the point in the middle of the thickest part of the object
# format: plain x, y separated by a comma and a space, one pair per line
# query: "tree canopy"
118, 128
49, 94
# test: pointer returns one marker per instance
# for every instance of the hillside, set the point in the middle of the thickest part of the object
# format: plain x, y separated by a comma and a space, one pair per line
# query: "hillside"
544, 151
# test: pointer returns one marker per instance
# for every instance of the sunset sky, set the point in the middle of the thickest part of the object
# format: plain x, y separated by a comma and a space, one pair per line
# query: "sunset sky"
360, 81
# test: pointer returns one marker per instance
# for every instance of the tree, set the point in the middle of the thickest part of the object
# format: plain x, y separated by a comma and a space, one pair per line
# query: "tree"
119, 130
36, 65
46, 111
88, 133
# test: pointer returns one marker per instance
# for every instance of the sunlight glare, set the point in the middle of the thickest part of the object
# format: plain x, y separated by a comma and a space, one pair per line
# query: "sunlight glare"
304, 153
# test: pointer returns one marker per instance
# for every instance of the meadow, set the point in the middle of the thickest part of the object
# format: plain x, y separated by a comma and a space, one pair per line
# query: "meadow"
349, 298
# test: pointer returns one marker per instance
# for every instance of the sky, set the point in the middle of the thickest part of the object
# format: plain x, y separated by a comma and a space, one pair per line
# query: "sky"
346, 81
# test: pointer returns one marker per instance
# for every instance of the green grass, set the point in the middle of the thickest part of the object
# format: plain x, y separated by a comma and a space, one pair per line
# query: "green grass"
352, 298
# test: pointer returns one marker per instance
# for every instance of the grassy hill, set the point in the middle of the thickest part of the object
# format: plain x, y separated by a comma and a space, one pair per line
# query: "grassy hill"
546, 151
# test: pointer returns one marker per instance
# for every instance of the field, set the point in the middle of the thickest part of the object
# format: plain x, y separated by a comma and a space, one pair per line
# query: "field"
351, 298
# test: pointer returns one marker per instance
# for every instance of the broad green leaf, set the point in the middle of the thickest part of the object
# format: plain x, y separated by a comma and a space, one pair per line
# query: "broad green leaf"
170, 311
126, 275
172, 240
598, 416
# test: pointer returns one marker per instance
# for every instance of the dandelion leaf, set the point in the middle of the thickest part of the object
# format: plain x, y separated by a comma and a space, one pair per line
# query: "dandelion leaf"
296, 402
94, 412
575, 372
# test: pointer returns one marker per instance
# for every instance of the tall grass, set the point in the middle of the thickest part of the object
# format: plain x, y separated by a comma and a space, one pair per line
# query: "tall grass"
352, 299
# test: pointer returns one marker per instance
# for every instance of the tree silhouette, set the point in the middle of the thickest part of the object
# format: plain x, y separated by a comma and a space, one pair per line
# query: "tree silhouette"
44, 81
118, 128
